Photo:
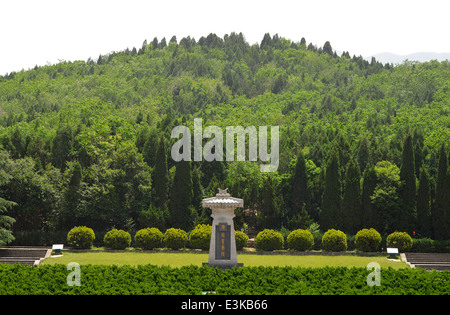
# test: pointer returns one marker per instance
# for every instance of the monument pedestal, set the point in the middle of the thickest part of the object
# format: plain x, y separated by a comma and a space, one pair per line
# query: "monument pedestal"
222, 248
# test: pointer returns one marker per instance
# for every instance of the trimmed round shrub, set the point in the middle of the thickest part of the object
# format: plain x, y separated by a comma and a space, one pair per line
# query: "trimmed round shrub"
334, 241
149, 238
200, 236
400, 240
175, 238
117, 239
300, 240
367, 240
241, 239
268, 240
81, 237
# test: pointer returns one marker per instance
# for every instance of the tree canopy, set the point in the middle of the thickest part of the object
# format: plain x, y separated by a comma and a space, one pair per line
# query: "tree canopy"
88, 142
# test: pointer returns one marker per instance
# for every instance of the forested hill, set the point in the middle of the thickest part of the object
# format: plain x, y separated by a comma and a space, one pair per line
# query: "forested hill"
82, 140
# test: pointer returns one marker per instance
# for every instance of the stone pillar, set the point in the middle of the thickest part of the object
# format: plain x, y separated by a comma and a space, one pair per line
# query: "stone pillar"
222, 249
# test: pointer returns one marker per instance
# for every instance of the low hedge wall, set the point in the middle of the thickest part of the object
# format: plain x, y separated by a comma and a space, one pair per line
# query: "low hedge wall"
190, 280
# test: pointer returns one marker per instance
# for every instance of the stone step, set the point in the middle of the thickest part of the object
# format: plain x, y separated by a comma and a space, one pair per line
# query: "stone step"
439, 267
447, 255
23, 255
19, 260
431, 264
23, 251
426, 260
429, 261
419, 257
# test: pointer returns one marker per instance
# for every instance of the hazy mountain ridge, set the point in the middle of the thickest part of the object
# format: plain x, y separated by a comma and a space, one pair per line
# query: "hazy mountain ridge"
387, 57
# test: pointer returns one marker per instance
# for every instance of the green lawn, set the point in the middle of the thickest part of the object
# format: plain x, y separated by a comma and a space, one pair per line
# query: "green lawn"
182, 259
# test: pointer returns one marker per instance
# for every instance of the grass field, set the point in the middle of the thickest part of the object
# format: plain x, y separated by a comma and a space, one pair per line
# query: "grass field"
184, 259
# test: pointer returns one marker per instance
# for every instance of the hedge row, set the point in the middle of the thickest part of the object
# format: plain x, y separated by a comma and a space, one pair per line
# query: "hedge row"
83, 237
189, 280
366, 240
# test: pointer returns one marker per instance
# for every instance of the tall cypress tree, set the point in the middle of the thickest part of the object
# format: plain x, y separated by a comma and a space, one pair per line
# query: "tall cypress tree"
180, 203
424, 205
269, 216
71, 198
197, 190
18, 143
75, 180
363, 154
407, 189
6, 221
351, 203
62, 146
299, 185
329, 216
149, 150
160, 176
327, 48
418, 140
369, 217
440, 216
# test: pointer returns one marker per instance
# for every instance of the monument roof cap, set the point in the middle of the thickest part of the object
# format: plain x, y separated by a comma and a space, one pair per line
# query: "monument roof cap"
223, 199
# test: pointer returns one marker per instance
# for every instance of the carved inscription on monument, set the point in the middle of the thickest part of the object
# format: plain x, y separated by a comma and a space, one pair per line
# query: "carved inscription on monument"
223, 241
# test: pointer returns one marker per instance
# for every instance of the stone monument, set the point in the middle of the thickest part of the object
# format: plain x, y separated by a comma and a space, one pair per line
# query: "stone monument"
222, 249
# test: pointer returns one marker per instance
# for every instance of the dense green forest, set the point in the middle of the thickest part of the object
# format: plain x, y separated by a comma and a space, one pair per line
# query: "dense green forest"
362, 144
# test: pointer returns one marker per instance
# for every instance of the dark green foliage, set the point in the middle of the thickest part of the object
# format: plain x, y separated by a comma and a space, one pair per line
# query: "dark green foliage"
181, 196
67, 216
62, 146
427, 245
269, 240
424, 205
269, 216
330, 215
407, 190
160, 179
17, 143
154, 216
351, 203
300, 220
441, 213
149, 238
299, 184
151, 148
327, 48
369, 216
75, 180
117, 239
6, 222
81, 237
363, 154
197, 190
367, 240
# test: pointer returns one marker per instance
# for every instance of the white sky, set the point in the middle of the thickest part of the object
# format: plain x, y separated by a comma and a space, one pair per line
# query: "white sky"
40, 31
